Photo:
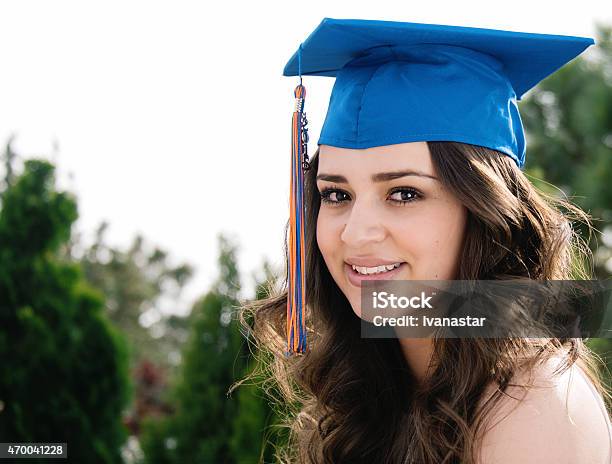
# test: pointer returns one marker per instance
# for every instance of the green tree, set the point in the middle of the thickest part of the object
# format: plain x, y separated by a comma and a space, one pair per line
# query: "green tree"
199, 431
63, 376
135, 283
213, 421
257, 433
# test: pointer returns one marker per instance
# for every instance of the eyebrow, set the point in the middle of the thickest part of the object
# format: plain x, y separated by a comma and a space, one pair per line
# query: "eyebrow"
379, 177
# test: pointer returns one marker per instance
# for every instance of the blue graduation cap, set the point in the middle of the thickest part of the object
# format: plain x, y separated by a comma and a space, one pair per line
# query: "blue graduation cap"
402, 82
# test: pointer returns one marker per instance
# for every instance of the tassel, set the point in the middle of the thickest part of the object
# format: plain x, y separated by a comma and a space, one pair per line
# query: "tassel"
296, 324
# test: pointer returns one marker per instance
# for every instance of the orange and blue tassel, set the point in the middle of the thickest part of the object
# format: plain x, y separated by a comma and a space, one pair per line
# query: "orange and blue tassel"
296, 301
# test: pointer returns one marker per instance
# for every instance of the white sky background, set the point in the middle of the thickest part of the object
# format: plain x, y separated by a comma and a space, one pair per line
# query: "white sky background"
172, 119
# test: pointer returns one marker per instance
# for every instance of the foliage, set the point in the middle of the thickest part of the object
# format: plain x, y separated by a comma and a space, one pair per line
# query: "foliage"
211, 425
65, 379
135, 283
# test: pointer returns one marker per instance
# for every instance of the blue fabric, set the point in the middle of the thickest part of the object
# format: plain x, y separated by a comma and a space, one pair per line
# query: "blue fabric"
405, 82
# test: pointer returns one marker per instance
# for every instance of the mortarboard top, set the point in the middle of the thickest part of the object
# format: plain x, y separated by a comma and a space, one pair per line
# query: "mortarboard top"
401, 82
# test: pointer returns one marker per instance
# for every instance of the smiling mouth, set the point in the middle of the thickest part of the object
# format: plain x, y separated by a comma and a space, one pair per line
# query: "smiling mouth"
375, 270
356, 277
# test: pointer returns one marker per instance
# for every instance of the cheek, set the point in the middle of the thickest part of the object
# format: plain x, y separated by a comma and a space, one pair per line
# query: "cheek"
434, 242
327, 236
329, 232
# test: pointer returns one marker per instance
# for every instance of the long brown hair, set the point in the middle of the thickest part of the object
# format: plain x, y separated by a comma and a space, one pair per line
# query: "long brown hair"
353, 399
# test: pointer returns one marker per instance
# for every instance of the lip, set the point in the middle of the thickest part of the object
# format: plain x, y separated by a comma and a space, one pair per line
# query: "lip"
355, 278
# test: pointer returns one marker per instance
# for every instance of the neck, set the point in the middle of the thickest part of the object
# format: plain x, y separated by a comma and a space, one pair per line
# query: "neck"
418, 353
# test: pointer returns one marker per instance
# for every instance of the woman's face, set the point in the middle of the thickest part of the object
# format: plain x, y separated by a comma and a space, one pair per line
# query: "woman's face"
385, 205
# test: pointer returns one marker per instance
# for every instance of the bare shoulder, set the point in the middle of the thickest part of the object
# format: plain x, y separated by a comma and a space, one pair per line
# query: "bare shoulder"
561, 419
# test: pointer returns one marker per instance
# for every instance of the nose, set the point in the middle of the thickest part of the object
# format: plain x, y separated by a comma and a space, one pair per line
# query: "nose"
363, 226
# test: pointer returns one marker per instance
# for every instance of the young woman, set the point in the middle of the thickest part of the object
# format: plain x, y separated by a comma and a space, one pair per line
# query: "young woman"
455, 211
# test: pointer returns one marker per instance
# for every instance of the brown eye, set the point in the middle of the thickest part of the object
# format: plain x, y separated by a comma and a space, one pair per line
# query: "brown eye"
333, 196
405, 195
